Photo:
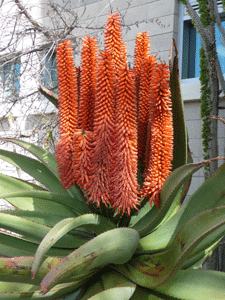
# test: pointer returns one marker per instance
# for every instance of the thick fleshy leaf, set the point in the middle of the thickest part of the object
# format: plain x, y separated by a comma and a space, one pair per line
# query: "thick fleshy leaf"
179, 126
112, 278
196, 285
12, 246
208, 196
14, 290
153, 270
44, 156
96, 223
14, 185
196, 261
52, 97
18, 269
62, 199
146, 294
91, 289
114, 246
122, 293
109, 280
33, 231
170, 196
48, 159
36, 216
34, 168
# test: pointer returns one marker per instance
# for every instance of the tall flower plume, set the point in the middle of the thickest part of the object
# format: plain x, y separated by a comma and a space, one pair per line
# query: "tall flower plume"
141, 51
113, 40
67, 85
98, 185
99, 145
148, 66
87, 83
123, 173
160, 136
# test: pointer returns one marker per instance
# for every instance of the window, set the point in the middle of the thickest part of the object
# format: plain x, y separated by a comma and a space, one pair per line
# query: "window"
50, 73
10, 81
191, 47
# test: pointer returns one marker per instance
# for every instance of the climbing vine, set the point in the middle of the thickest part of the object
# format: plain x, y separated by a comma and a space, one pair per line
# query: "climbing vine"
205, 103
204, 12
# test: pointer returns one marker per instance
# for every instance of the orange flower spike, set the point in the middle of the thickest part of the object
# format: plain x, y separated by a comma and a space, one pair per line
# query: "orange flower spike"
148, 67
82, 146
141, 51
67, 85
160, 135
77, 69
98, 184
88, 83
123, 173
113, 40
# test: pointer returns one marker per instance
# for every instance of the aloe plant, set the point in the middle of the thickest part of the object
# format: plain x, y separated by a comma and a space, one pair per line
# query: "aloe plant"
105, 221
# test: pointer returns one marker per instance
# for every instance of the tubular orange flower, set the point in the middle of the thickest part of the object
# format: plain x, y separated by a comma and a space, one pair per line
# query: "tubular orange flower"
141, 51
123, 172
160, 135
67, 85
148, 67
82, 147
77, 69
113, 40
88, 82
98, 185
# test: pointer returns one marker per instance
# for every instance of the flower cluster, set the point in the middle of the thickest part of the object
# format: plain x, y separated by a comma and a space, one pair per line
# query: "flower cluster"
124, 118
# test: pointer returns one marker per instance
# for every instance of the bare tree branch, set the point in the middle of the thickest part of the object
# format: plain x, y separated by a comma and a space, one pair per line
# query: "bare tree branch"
32, 21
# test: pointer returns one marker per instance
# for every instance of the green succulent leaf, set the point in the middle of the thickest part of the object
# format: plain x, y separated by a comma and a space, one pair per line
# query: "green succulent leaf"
156, 269
35, 168
209, 195
113, 246
195, 285
35, 232
78, 207
147, 294
179, 126
18, 269
36, 216
122, 293
27, 196
52, 97
48, 159
94, 222
12, 246
105, 285
14, 290
44, 156
170, 196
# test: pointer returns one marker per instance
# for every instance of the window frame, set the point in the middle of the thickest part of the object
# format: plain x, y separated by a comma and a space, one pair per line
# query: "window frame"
189, 84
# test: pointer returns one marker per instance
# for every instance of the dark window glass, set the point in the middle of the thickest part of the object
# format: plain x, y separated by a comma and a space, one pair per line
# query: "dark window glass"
191, 48
10, 78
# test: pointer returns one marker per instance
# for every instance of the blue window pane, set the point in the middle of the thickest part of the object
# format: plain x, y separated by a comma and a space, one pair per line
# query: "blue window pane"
50, 73
191, 48
10, 76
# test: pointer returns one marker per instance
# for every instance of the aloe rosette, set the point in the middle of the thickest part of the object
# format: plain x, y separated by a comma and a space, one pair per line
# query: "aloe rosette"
103, 218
